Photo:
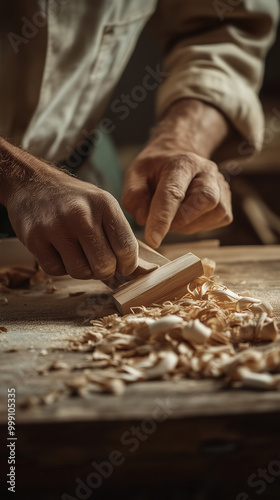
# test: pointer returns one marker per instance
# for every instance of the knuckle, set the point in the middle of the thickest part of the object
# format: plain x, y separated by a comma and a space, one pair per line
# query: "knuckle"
142, 163
225, 213
222, 178
214, 167
78, 212
182, 163
53, 268
75, 206
129, 247
104, 268
192, 209
128, 257
209, 196
108, 200
228, 218
175, 192
224, 184
184, 214
183, 160
104, 273
109, 206
80, 272
127, 268
160, 219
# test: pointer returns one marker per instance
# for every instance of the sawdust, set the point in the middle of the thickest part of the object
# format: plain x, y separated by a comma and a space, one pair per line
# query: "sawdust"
210, 332
22, 277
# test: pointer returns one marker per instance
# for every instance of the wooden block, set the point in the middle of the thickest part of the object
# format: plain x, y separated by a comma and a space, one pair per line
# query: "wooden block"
148, 254
149, 260
165, 283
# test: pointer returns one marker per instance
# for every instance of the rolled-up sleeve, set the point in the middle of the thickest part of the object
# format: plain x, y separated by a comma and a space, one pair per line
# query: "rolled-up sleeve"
214, 51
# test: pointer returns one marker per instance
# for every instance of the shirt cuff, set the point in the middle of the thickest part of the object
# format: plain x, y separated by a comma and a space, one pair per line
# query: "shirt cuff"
231, 95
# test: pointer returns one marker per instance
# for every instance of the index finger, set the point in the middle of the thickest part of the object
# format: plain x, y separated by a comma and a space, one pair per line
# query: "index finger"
170, 192
121, 238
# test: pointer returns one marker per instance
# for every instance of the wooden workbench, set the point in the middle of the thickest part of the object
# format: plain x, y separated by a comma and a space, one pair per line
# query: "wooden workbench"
210, 430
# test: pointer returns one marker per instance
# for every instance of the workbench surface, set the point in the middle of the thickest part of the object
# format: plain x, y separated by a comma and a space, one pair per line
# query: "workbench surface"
38, 321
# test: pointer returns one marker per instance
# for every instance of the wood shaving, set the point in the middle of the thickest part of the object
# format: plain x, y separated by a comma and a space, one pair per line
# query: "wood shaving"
209, 266
58, 365
29, 402
51, 289
16, 276
47, 399
21, 277
3, 329
210, 332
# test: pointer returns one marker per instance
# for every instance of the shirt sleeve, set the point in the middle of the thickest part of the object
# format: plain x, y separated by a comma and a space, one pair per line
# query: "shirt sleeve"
214, 51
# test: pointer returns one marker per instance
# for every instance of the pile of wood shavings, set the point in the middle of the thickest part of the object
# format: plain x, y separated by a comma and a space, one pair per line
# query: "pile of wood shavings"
210, 332
22, 276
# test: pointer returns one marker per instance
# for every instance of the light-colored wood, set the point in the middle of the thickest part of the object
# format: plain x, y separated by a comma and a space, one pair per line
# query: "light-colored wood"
147, 253
225, 255
165, 283
149, 260
144, 267
37, 321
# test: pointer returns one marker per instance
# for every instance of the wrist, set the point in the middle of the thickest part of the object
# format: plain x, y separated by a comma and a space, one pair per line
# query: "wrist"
192, 125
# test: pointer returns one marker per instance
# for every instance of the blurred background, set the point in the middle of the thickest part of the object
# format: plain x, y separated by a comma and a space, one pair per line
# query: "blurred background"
255, 185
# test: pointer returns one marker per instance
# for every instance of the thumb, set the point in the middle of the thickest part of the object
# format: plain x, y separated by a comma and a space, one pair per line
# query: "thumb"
136, 198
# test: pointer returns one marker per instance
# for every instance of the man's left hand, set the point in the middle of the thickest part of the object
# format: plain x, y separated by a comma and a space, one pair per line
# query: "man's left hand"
171, 187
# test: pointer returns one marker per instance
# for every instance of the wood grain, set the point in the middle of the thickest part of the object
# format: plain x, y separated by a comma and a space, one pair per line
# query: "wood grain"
149, 260
165, 283
223, 436
36, 321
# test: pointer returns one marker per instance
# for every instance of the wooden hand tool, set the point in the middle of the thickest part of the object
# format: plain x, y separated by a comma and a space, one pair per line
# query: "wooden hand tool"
156, 279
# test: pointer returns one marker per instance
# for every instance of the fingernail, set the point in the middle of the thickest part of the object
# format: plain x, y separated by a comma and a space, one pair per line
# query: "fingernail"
154, 239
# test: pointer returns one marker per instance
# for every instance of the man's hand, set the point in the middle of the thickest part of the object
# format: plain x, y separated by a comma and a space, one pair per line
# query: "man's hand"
178, 191
70, 226
172, 184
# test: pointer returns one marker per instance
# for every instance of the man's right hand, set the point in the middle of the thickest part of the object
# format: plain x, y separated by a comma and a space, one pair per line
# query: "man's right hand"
70, 226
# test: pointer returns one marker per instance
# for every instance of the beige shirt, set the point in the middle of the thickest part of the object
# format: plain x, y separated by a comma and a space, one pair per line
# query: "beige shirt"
60, 60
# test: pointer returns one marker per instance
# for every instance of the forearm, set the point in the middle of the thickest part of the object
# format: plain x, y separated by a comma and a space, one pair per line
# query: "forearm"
192, 125
18, 167
15, 167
